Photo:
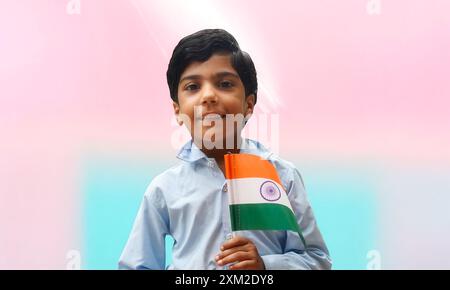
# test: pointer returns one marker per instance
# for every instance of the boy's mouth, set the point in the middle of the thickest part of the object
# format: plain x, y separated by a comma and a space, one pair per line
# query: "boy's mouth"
213, 116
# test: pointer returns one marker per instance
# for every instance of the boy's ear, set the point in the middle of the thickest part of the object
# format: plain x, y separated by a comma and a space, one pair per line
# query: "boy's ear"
250, 104
176, 110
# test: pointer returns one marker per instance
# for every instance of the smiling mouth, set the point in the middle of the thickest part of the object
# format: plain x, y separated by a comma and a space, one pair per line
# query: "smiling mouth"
213, 116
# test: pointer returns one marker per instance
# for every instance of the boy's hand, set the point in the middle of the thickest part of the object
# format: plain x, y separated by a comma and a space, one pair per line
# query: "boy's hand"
241, 251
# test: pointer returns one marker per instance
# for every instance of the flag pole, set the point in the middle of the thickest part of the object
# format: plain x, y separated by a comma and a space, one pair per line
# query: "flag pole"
229, 161
228, 165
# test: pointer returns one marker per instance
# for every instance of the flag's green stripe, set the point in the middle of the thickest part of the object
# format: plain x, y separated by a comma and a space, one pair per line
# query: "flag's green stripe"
263, 216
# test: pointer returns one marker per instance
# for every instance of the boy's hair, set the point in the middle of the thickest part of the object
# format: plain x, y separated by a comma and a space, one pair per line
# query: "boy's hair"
200, 46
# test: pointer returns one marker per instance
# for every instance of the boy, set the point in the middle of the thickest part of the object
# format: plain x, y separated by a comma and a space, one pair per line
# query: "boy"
212, 81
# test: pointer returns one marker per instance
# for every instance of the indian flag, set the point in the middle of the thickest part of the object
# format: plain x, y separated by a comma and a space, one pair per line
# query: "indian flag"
257, 199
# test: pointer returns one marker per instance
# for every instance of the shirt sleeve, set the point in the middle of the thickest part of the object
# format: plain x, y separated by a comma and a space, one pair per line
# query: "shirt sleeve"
145, 248
296, 256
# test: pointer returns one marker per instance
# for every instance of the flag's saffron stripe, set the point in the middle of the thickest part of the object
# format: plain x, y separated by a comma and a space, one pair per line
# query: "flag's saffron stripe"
248, 166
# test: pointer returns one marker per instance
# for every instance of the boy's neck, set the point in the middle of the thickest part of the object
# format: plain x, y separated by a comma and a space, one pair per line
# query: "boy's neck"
218, 154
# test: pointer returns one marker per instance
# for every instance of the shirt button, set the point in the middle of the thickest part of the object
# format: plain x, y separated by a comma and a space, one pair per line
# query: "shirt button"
225, 188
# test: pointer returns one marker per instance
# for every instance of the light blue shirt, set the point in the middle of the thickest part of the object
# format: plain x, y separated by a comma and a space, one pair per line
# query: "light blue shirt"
189, 202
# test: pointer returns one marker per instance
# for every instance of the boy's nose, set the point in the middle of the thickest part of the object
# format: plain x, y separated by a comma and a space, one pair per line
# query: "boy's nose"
209, 95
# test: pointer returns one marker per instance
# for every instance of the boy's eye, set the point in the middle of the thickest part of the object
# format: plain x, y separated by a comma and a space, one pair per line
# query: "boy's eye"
191, 87
226, 84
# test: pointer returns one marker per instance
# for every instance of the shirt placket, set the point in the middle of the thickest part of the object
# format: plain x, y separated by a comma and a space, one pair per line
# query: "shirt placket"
217, 173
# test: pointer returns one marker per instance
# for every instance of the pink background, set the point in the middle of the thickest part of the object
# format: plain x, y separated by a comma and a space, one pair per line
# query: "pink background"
352, 88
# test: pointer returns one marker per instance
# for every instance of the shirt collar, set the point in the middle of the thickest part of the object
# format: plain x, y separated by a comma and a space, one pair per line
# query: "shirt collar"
191, 153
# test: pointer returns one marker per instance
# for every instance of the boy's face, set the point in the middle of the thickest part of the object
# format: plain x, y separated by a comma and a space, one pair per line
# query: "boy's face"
210, 93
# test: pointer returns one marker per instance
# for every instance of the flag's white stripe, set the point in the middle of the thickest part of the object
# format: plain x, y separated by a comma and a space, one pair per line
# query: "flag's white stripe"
247, 190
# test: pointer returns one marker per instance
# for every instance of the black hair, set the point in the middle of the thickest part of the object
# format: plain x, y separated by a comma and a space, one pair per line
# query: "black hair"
200, 46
